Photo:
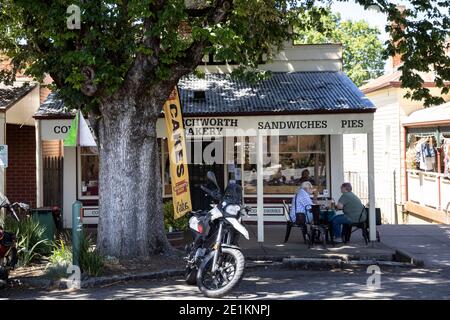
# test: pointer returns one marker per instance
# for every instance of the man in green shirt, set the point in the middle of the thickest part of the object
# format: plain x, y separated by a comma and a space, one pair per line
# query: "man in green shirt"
353, 210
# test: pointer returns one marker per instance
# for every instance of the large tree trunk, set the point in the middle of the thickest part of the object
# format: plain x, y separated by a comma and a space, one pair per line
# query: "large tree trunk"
131, 218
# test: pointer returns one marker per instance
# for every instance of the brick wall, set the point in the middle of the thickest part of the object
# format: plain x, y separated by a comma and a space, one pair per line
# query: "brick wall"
21, 171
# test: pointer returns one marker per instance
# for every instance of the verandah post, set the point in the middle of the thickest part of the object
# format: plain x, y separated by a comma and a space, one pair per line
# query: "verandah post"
259, 186
371, 186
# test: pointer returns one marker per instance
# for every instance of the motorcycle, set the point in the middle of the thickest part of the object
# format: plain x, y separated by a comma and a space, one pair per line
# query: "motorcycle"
8, 240
214, 260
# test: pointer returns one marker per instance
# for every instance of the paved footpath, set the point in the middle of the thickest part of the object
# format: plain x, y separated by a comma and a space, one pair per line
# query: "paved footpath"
430, 242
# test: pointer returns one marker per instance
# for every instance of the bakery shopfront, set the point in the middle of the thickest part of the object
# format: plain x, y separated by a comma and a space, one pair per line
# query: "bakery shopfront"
268, 137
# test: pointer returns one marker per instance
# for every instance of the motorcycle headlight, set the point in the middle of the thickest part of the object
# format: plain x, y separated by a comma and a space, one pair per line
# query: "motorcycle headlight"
233, 209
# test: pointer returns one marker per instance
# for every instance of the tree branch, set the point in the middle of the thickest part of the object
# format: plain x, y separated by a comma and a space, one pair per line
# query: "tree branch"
194, 54
144, 64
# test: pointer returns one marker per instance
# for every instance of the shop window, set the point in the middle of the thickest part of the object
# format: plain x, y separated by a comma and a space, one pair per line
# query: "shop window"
288, 161
233, 159
421, 153
89, 171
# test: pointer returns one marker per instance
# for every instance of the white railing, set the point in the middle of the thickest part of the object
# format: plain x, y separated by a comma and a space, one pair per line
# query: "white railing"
429, 189
384, 191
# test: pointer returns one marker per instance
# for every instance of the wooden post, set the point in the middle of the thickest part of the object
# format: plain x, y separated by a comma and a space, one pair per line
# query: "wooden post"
371, 188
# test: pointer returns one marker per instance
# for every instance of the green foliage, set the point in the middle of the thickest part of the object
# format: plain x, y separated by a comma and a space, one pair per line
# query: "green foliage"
117, 35
61, 253
30, 242
363, 52
179, 224
91, 262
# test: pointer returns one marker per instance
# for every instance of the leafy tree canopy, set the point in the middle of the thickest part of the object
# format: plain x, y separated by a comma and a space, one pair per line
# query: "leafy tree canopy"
149, 44
363, 52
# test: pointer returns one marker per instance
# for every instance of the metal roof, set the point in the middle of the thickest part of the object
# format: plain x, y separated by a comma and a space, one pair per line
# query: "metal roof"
294, 92
324, 91
11, 94
53, 106
435, 114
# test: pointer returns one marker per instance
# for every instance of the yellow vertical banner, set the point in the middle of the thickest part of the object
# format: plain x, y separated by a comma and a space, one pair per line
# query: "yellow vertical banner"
179, 174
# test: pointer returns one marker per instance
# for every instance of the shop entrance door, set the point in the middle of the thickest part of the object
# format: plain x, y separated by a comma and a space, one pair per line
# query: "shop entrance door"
198, 168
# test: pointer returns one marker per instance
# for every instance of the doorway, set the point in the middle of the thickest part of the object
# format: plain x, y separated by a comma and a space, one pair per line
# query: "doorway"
203, 156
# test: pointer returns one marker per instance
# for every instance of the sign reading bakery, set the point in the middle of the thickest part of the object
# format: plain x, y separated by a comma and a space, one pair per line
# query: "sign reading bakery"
209, 126
296, 124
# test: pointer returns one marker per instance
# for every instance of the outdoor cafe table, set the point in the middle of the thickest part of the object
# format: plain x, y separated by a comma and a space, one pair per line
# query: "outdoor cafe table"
326, 216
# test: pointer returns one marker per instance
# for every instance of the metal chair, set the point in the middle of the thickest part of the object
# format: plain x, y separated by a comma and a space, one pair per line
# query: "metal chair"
347, 229
290, 224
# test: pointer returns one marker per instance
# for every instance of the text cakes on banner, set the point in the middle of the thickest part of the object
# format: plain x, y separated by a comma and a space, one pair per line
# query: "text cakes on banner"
178, 158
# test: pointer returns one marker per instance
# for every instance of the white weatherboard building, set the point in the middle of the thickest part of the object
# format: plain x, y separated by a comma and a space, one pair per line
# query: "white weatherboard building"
307, 106
390, 147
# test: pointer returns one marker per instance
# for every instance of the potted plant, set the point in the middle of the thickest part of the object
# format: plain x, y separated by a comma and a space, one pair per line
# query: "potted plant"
175, 228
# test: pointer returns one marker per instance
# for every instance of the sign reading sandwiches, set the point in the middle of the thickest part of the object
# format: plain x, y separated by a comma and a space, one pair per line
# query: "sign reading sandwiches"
177, 154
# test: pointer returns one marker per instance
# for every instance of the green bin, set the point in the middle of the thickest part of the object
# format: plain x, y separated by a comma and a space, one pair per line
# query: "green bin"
45, 218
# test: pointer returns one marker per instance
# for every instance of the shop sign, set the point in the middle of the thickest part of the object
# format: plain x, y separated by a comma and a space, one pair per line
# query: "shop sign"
179, 175
3, 156
275, 125
336, 124
90, 213
209, 126
56, 129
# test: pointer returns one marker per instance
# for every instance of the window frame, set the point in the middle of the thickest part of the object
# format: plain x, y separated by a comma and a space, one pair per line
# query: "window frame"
80, 195
284, 195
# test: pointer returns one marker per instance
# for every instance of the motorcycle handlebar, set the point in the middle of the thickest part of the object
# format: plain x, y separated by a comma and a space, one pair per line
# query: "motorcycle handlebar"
214, 194
10, 208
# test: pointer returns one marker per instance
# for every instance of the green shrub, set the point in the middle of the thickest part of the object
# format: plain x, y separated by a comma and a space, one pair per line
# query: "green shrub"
29, 233
179, 224
61, 254
91, 262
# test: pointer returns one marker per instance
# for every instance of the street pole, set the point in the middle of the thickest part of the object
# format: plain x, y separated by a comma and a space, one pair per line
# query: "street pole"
77, 229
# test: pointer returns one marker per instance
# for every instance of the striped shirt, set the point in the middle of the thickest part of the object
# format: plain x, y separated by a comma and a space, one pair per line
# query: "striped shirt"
303, 201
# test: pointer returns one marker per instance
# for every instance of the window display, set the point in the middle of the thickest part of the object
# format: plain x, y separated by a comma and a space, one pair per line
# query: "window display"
89, 171
288, 161
422, 153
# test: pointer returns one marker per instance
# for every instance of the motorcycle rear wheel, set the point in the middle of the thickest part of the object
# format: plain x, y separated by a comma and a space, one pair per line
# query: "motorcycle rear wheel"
229, 274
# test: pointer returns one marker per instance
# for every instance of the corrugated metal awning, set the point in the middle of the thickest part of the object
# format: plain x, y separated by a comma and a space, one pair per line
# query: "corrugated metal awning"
431, 115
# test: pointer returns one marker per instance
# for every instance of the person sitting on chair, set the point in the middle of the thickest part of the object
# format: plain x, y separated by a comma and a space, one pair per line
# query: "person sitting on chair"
300, 212
352, 207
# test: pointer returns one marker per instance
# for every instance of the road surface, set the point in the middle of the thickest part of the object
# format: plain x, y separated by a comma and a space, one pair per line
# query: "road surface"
276, 284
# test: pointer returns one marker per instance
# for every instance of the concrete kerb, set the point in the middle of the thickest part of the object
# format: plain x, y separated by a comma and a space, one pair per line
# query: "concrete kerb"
42, 283
324, 263
403, 256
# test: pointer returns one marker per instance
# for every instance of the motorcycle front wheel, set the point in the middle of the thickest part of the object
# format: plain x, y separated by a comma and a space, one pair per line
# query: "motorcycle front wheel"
231, 264
4, 273
190, 276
